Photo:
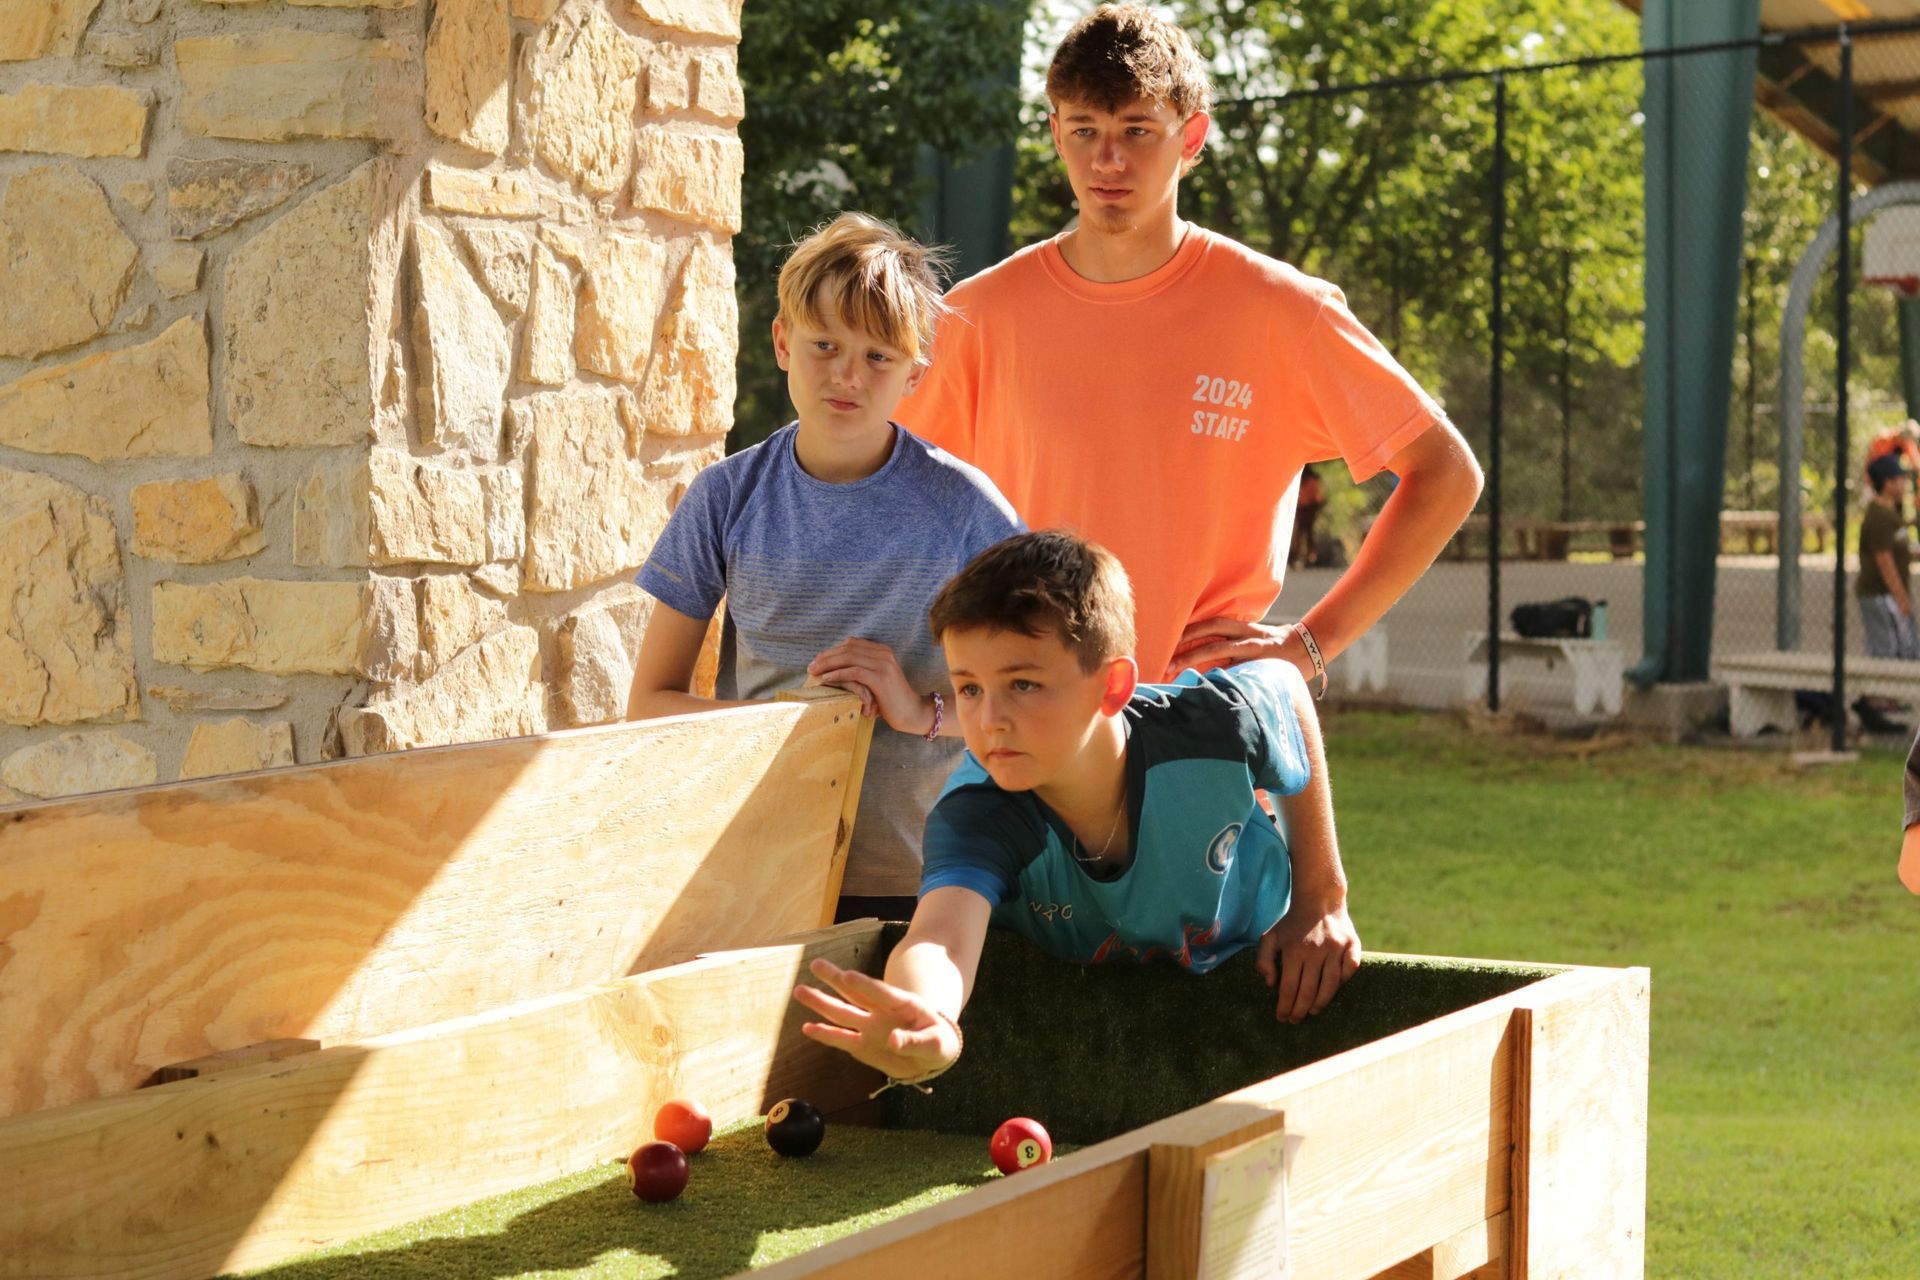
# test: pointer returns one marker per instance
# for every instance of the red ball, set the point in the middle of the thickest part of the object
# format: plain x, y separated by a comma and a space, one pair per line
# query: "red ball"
684, 1123
1019, 1144
657, 1171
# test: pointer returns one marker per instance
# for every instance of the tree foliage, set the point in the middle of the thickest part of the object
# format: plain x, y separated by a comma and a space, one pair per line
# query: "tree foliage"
844, 102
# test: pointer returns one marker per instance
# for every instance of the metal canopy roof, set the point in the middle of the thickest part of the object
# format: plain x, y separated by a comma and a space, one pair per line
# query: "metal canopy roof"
1800, 83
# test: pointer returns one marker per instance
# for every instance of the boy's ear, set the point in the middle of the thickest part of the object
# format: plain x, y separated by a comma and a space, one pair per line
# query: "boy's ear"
1193, 136
780, 355
1123, 677
914, 375
1053, 128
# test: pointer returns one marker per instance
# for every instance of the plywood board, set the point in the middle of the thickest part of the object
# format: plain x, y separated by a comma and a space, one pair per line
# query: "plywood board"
263, 1162
338, 901
1580, 1128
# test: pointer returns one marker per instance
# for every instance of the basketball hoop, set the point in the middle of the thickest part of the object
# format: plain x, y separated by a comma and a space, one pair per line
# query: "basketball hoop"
1892, 258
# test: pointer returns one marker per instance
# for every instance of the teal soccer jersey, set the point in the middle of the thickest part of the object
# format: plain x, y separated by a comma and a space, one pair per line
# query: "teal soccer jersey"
1210, 871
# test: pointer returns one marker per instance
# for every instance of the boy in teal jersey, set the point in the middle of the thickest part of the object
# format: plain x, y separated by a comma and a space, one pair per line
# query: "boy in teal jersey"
1103, 819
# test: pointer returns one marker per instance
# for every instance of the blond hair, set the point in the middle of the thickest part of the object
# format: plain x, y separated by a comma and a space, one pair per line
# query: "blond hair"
883, 283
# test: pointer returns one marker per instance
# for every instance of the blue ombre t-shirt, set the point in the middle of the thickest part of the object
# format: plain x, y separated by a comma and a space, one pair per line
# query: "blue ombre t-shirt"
804, 564
1210, 871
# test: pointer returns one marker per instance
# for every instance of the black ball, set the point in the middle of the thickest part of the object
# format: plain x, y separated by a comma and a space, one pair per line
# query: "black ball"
794, 1127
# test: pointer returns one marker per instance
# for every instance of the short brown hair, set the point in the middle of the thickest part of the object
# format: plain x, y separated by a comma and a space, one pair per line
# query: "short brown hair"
879, 281
1033, 583
1121, 53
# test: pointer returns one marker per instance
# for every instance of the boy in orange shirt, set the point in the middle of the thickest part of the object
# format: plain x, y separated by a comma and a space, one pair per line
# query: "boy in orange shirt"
1158, 388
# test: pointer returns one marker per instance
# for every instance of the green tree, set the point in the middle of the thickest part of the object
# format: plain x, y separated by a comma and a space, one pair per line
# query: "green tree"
844, 102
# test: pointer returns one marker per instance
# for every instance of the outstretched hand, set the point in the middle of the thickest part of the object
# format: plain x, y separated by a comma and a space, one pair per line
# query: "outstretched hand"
1307, 956
888, 1028
1227, 642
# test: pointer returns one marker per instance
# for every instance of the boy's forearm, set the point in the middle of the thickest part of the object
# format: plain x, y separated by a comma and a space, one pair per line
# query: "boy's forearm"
1436, 493
926, 969
1312, 845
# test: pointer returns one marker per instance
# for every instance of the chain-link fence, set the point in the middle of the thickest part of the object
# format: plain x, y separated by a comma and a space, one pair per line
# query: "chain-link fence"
1491, 228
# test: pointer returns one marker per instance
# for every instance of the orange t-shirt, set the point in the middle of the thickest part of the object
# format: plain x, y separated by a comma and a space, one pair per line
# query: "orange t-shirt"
1166, 418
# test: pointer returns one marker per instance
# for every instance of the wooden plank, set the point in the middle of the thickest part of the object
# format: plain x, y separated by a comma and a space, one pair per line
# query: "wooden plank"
850, 801
1079, 1218
1176, 1178
261, 1163
1580, 1128
227, 1060
338, 901
1478, 1253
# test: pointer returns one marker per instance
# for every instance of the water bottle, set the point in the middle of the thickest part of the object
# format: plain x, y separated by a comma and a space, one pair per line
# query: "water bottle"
1597, 627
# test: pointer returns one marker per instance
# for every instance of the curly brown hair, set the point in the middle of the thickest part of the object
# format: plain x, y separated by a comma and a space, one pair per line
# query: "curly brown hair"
1123, 53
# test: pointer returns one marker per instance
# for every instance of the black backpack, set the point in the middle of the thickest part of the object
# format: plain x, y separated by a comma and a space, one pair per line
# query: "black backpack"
1568, 618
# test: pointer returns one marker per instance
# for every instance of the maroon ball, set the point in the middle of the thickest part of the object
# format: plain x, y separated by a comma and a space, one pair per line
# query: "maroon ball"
657, 1172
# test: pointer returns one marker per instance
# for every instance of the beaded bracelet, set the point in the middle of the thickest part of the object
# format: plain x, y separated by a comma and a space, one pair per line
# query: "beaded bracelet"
939, 714
1313, 655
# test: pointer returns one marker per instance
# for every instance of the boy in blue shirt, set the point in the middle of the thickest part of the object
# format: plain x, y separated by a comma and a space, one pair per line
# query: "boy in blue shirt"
1103, 819
828, 541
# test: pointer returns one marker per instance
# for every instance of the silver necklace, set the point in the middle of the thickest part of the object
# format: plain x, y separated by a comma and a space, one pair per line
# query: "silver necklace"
1078, 850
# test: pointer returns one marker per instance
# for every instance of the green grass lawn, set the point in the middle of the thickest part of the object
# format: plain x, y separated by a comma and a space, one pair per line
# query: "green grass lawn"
1785, 955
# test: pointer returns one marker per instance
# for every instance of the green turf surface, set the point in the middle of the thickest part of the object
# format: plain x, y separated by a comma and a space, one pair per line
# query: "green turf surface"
1786, 960
1095, 1050
743, 1207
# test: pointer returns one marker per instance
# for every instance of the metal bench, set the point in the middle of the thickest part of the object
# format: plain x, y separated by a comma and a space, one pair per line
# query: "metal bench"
1598, 667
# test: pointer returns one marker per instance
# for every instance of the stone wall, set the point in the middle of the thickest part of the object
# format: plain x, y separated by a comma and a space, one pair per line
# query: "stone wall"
352, 355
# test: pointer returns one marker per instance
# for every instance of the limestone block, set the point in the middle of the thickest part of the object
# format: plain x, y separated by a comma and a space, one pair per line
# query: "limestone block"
465, 351
66, 648
237, 746
332, 517
691, 384
506, 513
716, 85
502, 580
485, 195
547, 345
593, 513
277, 627
299, 344
620, 305
691, 176
595, 650
575, 97
138, 193
534, 11
94, 120
134, 402
178, 271
503, 258
65, 264
353, 4
205, 197
124, 49
468, 66
492, 690
453, 615
390, 637
79, 763
181, 698
423, 513
667, 85
142, 11
279, 84
569, 246
697, 17
196, 521
32, 29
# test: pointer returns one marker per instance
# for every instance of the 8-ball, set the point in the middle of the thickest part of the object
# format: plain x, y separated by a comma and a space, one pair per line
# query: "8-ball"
794, 1127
